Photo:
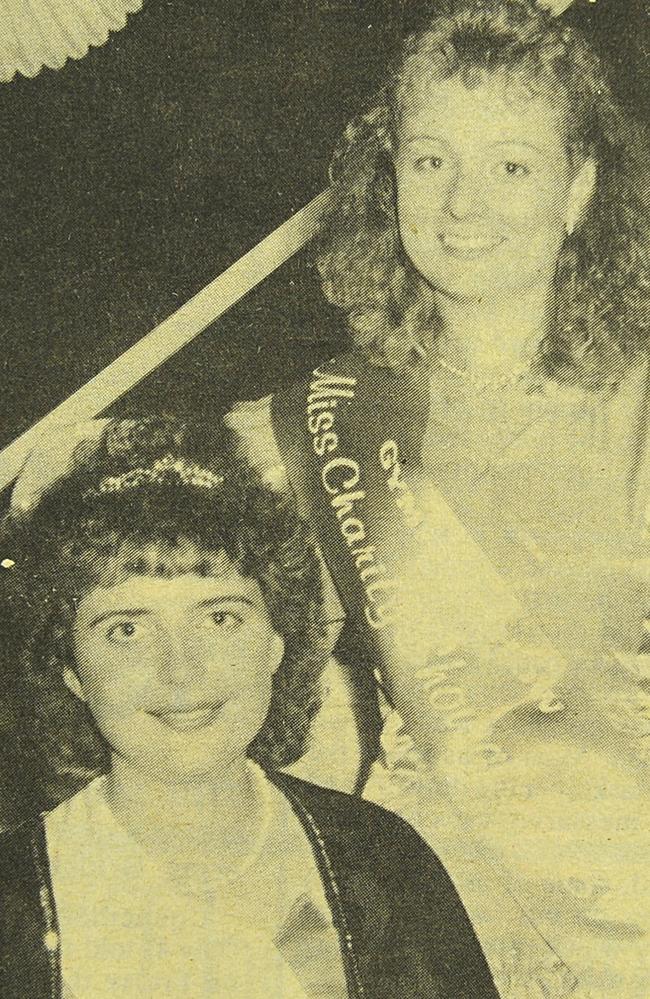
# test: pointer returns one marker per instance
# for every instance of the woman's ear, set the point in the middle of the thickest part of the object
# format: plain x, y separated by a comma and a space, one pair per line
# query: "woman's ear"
581, 192
73, 683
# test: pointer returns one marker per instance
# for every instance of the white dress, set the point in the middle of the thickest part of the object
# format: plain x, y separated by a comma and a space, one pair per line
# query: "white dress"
535, 680
536, 793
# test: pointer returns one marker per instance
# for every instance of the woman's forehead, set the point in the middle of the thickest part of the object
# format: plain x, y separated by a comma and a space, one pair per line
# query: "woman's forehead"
177, 593
499, 109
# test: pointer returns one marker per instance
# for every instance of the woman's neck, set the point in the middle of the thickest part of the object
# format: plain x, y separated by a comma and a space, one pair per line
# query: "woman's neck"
184, 822
490, 336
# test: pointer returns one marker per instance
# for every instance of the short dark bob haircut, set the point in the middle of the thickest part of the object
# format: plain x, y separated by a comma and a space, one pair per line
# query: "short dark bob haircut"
77, 538
600, 321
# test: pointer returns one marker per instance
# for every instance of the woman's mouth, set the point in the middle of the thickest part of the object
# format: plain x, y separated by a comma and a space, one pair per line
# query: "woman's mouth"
189, 720
469, 246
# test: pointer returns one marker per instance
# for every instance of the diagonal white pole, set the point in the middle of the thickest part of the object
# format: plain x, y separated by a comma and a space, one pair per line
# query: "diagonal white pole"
173, 333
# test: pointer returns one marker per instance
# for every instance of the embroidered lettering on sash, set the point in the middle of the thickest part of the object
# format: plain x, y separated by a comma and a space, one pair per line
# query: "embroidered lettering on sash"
345, 446
341, 478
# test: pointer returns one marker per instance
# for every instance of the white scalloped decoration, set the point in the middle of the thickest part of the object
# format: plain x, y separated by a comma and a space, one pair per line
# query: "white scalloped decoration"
38, 33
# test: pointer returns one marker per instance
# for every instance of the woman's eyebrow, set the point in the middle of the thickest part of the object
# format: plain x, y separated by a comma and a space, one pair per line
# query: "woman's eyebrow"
519, 142
118, 612
227, 598
414, 139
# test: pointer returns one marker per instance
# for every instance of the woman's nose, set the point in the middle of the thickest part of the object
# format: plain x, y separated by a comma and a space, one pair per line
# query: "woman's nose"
179, 664
466, 195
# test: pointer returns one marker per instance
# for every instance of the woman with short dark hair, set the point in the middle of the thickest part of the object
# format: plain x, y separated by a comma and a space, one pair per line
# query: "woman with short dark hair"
165, 611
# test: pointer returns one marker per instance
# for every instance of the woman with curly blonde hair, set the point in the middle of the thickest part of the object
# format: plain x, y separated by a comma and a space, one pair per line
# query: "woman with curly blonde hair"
479, 470
590, 273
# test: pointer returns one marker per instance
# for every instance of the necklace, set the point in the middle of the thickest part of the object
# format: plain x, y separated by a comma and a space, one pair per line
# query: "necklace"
484, 384
263, 795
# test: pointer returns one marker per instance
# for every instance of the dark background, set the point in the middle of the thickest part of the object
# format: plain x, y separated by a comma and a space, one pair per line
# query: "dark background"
132, 177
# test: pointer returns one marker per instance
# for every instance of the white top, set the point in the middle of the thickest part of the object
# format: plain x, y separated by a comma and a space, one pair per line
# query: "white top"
127, 930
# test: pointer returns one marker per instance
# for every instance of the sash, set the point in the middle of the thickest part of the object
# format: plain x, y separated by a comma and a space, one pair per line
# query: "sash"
419, 580
351, 437
346, 434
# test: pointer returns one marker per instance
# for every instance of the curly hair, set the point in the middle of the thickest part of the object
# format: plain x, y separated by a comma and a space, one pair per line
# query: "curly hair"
601, 286
79, 537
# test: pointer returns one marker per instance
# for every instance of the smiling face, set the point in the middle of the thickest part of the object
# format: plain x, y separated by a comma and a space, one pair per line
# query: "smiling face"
176, 672
484, 187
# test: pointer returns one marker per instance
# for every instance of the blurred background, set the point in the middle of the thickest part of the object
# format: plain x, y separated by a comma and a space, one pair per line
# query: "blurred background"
133, 176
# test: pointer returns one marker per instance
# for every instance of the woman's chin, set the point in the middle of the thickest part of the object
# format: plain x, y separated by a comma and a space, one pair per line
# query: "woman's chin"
463, 287
189, 763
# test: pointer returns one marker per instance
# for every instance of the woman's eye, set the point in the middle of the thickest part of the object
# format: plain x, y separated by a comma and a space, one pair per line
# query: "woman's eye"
429, 163
124, 632
515, 169
224, 620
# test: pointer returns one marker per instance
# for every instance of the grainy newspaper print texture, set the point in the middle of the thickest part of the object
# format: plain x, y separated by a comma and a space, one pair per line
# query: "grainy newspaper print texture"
325, 471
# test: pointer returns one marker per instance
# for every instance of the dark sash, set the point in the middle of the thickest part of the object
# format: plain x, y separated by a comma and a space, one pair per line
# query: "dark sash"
346, 434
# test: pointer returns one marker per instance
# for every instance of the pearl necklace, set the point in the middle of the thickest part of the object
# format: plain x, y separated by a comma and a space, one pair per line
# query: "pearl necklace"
484, 384
265, 797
